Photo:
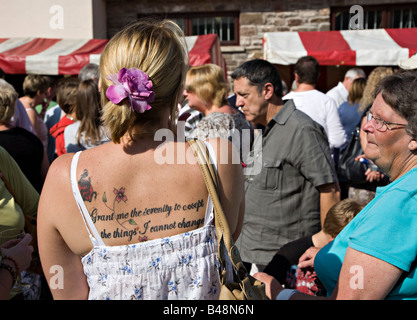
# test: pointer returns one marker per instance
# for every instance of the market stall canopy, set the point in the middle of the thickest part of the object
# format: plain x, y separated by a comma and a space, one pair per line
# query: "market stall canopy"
376, 47
68, 56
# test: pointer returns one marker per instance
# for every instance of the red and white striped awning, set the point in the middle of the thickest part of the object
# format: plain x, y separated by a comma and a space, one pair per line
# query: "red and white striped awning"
68, 56
376, 47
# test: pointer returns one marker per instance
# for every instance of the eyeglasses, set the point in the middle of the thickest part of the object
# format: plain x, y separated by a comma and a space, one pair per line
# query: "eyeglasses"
382, 125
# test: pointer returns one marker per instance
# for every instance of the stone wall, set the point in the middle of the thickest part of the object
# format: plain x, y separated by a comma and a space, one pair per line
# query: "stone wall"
253, 25
256, 18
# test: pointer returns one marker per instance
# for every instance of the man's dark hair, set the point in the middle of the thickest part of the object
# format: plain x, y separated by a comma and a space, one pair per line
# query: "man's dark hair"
307, 69
259, 72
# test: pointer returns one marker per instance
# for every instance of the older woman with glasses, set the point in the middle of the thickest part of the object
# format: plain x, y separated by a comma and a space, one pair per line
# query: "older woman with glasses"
374, 257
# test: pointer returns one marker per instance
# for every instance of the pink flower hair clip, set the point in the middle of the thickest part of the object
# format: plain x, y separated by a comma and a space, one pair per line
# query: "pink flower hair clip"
133, 84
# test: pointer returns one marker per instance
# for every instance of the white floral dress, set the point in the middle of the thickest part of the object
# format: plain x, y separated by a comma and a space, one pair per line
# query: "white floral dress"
183, 266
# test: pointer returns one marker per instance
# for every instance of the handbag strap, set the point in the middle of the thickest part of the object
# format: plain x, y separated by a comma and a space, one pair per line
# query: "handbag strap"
222, 227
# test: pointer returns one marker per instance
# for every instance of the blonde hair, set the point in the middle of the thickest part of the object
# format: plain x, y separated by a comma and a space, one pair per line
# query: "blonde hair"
8, 98
339, 215
157, 48
208, 83
375, 76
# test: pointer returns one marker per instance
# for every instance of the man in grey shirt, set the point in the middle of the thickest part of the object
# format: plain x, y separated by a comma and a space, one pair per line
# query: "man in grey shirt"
292, 182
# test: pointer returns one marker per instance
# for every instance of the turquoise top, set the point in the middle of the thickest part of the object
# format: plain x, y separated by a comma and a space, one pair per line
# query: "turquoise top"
385, 229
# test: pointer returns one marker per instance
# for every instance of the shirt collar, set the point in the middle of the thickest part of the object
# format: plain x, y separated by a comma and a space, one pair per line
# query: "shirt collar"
282, 116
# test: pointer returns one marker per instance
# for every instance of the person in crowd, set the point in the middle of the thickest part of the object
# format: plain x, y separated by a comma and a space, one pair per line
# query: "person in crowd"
17, 198
55, 114
144, 231
25, 148
340, 92
67, 98
351, 119
287, 257
35, 90
87, 131
316, 104
292, 183
348, 111
206, 92
378, 244
52, 116
89, 71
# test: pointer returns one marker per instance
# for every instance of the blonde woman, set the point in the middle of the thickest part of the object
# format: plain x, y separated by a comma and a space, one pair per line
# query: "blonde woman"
129, 227
206, 92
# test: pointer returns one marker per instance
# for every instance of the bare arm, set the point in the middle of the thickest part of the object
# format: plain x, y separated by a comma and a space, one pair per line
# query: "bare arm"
329, 195
362, 277
231, 184
62, 267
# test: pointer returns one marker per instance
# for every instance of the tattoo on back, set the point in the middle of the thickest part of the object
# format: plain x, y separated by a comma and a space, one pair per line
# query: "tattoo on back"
128, 226
86, 189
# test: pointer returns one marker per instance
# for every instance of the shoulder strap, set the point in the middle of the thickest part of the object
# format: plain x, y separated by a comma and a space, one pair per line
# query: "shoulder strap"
92, 231
210, 207
227, 249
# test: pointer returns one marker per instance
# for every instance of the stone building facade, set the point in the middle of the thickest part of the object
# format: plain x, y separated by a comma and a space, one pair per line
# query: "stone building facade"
255, 18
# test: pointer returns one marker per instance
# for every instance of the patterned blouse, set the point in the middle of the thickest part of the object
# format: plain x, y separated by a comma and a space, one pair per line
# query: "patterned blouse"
229, 126
183, 266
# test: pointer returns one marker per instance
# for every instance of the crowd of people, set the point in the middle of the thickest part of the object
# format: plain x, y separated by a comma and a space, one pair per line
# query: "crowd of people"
121, 224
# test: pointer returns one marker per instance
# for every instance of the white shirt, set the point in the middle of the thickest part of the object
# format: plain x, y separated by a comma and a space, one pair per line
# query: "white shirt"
323, 110
339, 94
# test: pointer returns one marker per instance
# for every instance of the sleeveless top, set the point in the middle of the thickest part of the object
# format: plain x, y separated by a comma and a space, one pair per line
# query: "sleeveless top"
184, 266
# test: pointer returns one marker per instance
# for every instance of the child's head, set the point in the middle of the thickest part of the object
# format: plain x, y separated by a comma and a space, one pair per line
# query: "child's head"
340, 215
66, 94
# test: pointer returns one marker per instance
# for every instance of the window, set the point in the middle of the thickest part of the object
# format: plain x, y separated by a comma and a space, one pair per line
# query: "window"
376, 17
224, 24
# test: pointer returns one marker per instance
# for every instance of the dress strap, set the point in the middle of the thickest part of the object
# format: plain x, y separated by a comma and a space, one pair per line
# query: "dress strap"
210, 207
92, 231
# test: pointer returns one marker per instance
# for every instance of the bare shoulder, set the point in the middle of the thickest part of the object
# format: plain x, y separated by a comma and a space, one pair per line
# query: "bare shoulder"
61, 162
57, 181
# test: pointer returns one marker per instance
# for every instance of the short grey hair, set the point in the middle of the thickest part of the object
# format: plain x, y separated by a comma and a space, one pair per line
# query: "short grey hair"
399, 91
89, 71
355, 73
